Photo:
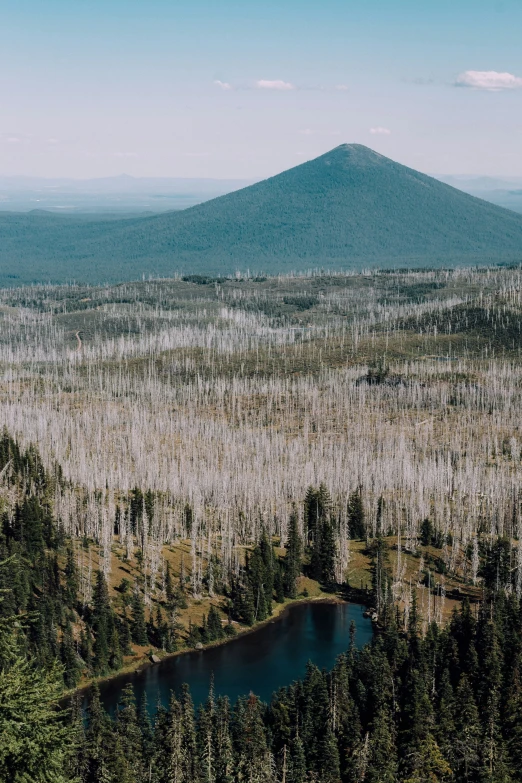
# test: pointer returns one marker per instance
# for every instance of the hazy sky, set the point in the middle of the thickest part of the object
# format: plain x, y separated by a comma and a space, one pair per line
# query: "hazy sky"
244, 89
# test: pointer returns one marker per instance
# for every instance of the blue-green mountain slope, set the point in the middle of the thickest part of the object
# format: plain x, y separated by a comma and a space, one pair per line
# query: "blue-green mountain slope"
348, 208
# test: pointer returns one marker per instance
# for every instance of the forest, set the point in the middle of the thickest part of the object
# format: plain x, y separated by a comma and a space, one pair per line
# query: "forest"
181, 459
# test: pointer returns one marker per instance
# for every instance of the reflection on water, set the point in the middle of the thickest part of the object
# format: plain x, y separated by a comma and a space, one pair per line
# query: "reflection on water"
262, 661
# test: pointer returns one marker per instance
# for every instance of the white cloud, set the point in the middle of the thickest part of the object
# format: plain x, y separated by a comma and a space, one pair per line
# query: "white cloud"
276, 84
13, 138
380, 131
223, 85
306, 132
125, 154
492, 81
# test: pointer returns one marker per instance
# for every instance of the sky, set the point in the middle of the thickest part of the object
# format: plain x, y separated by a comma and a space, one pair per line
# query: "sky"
243, 89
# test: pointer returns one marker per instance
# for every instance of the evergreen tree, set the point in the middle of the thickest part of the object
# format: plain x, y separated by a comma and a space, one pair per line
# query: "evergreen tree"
189, 743
328, 757
328, 553
242, 600
260, 574
36, 743
279, 590
466, 745
146, 733
513, 717
69, 658
128, 729
318, 506
115, 652
382, 750
429, 764
253, 758
138, 625
98, 740
206, 739
292, 563
381, 578
214, 626
356, 520
445, 716
173, 756
124, 634
169, 587
71, 579
223, 742
297, 767
102, 623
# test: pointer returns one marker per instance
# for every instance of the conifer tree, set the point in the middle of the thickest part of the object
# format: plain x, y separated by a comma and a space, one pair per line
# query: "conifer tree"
35, 741
98, 738
254, 760
71, 579
466, 745
147, 736
445, 716
223, 742
328, 757
327, 553
214, 626
169, 587
128, 730
115, 652
279, 590
292, 563
382, 750
206, 738
85, 649
189, 737
102, 623
69, 658
138, 625
356, 521
429, 763
173, 758
297, 766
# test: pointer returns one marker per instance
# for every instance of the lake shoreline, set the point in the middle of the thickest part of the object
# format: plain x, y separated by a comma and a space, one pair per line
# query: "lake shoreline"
348, 596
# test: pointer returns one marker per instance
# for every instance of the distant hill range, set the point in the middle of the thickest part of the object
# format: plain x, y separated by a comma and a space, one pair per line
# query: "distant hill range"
503, 191
349, 208
111, 196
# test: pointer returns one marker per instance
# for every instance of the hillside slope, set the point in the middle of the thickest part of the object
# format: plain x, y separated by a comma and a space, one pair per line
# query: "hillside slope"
348, 208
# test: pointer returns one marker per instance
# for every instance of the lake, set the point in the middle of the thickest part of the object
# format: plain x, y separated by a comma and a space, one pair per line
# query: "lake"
261, 661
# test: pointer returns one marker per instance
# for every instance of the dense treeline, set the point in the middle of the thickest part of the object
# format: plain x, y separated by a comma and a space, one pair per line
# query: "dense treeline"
447, 706
443, 707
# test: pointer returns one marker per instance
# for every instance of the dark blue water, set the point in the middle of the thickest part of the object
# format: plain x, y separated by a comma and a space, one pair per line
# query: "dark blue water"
262, 661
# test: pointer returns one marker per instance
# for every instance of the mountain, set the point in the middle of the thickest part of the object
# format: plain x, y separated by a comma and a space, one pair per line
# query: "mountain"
348, 208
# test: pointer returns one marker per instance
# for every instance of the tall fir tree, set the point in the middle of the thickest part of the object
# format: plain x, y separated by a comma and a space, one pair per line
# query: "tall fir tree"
138, 624
292, 562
